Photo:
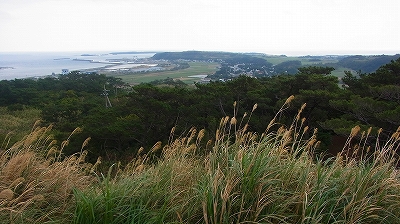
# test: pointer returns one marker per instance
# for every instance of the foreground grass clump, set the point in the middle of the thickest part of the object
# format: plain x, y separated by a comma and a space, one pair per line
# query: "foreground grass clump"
36, 181
245, 177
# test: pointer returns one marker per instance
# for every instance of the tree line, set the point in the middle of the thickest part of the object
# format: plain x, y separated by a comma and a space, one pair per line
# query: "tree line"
144, 114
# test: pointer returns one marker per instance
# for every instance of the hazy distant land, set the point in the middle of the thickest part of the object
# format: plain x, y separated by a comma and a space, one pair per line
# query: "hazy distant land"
188, 66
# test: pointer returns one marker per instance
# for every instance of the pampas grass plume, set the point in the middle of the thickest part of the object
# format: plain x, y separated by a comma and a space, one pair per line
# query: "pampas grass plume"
354, 131
6, 194
254, 107
156, 147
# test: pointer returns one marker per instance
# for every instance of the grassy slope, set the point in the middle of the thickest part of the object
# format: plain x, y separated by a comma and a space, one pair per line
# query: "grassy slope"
272, 178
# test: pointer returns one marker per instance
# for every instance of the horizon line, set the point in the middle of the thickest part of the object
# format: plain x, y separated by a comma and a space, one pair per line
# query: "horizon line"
274, 53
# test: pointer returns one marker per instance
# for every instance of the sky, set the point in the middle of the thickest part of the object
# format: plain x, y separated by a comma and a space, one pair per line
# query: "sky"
291, 27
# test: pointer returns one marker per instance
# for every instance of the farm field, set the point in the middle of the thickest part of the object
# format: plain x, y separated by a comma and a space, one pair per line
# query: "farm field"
339, 72
185, 75
198, 69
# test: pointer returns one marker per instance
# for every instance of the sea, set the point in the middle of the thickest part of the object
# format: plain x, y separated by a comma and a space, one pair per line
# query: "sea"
20, 65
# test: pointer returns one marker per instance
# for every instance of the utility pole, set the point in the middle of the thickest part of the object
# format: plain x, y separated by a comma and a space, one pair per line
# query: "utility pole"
105, 94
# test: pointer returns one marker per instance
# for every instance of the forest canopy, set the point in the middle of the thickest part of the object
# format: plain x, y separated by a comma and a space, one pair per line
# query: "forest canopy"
144, 114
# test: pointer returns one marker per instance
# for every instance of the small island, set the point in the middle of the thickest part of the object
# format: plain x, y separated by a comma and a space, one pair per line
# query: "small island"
7, 68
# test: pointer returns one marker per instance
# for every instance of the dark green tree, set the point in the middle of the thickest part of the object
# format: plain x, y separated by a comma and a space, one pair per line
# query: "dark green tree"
371, 99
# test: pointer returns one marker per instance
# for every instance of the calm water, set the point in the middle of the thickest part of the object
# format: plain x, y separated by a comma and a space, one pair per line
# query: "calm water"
24, 65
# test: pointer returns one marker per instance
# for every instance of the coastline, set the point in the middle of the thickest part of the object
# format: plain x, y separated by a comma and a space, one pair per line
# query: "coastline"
21, 65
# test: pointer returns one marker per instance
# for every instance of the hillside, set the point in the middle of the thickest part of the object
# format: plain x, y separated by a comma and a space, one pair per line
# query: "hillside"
246, 150
366, 64
143, 114
195, 55
233, 64
238, 176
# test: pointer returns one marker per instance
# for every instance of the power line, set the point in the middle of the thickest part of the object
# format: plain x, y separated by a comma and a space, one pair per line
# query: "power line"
105, 94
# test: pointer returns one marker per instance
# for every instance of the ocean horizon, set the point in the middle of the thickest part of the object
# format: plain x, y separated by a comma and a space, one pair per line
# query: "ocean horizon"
20, 65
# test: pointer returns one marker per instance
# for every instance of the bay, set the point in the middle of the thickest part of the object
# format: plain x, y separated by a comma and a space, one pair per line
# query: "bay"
18, 65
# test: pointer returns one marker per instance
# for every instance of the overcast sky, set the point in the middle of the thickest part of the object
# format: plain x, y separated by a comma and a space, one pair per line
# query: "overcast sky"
269, 26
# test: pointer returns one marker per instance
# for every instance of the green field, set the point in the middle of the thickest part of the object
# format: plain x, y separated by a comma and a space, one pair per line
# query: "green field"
339, 72
196, 68
205, 68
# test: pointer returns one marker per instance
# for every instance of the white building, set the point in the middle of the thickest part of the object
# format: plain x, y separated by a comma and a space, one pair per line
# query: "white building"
64, 71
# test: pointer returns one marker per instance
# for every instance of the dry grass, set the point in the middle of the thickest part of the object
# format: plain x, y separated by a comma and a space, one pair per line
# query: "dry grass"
36, 181
238, 177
